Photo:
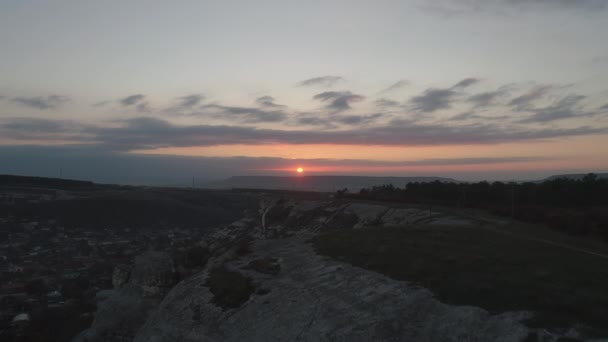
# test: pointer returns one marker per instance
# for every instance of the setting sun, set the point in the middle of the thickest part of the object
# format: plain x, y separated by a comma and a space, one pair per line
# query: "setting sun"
299, 170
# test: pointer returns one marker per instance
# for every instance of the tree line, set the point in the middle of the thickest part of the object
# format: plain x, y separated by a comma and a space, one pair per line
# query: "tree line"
577, 206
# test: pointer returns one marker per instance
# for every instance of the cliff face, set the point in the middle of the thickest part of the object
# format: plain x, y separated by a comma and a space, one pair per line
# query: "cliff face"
154, 273
138, 291
313, 298
264, 282
296, 294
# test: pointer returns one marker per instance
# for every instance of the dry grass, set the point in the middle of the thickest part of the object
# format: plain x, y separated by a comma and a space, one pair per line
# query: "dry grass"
473, 266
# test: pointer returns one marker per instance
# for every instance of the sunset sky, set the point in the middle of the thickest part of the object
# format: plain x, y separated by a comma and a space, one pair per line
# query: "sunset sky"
161, 91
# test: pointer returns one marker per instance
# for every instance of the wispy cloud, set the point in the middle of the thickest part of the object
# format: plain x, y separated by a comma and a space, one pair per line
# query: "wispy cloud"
338, 100
242, 114
464, 7
311, 120
487, 98
358, 119
190, 101
467, 82
137, 101
395, 86
386, 103
101, 103
28, 129
149, 133
143, 107
138, 134
559, 4
132, 100
472, 115
464, 116
267, 101
324, 81
566, 108
335, 121
433, 99
524, 101
41, 102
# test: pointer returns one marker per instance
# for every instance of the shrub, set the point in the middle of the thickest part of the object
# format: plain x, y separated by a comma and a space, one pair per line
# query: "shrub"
230, 289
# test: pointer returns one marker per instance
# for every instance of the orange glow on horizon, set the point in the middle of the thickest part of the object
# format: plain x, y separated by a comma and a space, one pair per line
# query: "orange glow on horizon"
577, 153
422, 169
299, 170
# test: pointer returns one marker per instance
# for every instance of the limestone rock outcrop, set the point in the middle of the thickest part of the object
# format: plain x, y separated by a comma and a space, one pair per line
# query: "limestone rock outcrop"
154, 273
120, 276
138, 291
314, 298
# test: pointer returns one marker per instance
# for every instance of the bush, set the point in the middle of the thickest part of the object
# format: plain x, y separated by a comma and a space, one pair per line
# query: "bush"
196, 257
243, 247
230, 289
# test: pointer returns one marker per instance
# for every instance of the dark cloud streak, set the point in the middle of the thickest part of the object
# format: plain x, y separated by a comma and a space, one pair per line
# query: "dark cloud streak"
433, 99
147, 133
131, 100
568, 107
42, 103
524, 101
190, 101
386, 103
485, 99
244, 114
467, 82
395, 86
268, 101
324, 81
501, 7
338, 100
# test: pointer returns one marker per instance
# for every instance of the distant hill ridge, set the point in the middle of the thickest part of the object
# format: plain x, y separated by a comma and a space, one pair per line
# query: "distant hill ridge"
12, 180
318, 183
575, 176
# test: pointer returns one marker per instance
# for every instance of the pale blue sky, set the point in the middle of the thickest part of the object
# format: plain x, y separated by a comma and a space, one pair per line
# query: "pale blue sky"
75, 60
98, 49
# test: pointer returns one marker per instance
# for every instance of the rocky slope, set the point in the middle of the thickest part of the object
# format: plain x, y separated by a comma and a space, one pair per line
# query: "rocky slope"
276, 287
316, 299
138, 291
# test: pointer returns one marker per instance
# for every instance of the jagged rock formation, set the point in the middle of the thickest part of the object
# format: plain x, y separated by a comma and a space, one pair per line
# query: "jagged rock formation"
289, 216
120, 276
123, 310
154, 273
313, 298
287, 292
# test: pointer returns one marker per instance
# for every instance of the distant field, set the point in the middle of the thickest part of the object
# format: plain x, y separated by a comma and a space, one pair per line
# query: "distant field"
485, 268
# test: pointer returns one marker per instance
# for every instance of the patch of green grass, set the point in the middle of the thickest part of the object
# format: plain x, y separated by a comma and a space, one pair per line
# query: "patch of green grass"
473, 266
230, 289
